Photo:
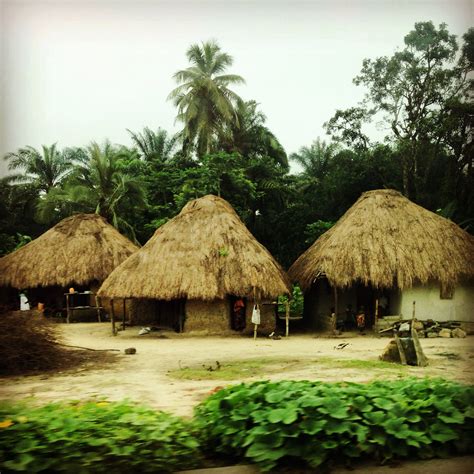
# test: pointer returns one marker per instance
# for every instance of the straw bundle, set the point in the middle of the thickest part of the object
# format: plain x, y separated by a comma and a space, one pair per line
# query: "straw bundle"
77, 250
386, 240
206, 253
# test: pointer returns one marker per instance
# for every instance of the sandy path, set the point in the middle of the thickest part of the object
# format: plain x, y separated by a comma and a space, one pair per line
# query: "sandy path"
143, 376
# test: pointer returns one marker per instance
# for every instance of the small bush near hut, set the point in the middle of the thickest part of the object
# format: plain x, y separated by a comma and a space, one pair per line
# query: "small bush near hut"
28, 342
94, 438
313, 423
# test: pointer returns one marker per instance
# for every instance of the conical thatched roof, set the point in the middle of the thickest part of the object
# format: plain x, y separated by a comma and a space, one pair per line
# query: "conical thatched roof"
77, 250
205, 252
387, 241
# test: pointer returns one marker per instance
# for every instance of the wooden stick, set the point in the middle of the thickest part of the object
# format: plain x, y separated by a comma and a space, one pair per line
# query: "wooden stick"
123, 314
182, 308
421, 359
335, 301
413, 314
287, 318
376, 310
401, 351
97, 304
255, 331
67, 309
112, 315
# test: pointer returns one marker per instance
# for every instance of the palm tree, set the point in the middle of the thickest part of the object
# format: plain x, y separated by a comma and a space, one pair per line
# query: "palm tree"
250, 137
153, 146
204, 101
315, 159
100, 180
98, 184
46, 168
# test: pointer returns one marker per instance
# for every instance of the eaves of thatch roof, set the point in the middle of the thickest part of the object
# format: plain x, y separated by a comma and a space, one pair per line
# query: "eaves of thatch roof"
387, 241
78, 250
205, 253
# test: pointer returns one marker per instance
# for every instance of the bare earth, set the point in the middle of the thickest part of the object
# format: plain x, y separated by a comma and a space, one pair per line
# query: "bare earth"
143, 377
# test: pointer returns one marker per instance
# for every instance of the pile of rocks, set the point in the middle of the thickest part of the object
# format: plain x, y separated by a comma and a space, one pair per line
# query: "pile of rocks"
428, 328
446, 332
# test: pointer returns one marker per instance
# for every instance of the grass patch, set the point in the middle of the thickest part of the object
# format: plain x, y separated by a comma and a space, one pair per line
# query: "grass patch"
361, 364
253, 368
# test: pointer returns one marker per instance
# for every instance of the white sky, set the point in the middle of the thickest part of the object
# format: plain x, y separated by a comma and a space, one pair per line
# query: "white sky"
76, 71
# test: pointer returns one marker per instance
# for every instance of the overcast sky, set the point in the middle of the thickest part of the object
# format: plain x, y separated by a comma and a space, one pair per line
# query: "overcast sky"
76, 71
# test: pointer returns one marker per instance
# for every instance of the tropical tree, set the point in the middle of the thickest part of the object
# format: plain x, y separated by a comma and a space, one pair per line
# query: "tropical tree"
204, 100
157, 147
249, 136
411, 91
45, 169
100, 183
315, 160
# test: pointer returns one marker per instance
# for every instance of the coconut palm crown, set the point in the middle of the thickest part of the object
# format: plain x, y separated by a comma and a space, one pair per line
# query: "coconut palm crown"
204, 101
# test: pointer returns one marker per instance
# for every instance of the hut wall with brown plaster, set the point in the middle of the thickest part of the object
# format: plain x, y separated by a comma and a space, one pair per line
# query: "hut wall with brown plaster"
204, 317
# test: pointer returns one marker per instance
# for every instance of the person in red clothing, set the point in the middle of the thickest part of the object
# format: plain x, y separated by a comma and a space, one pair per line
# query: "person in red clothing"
239, 314
361, 320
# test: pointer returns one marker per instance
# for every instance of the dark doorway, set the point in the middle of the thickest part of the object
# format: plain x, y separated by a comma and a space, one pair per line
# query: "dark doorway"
170, 314
365, 299
238, 311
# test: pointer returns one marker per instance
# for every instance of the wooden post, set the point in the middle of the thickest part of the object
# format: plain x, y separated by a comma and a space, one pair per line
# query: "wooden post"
401, 351
413, 314
287, 318
68, 311
376, 310
112, 315
97, 304
421, 359
123, 314
255, 331
182, 308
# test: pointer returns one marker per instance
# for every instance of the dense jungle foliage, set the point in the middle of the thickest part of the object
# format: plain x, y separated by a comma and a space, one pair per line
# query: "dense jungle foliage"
421, 97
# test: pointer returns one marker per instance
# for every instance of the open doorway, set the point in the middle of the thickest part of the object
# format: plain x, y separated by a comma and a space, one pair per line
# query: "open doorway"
170, 314
238, 311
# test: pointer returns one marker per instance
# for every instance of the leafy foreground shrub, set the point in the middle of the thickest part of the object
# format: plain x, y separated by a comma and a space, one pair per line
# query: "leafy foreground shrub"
275, 423
94, 437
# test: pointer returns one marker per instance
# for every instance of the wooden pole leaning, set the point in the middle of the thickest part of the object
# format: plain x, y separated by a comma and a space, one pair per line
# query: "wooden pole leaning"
97, 304
68, 310
112, 316
123, 313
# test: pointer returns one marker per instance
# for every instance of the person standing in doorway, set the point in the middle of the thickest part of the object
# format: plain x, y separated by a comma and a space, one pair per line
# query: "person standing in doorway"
361, 320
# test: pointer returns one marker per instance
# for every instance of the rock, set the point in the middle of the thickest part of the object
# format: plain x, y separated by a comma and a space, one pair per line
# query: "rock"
390, 353
458, 332
431, 334
418, 325
130, 350
445, 332
404, 327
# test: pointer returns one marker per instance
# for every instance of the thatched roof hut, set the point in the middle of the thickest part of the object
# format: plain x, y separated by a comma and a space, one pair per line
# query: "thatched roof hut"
204, 253
386, 241
78, 250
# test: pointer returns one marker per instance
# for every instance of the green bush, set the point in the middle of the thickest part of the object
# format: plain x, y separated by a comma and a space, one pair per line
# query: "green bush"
296, 302
274, 423
94, 437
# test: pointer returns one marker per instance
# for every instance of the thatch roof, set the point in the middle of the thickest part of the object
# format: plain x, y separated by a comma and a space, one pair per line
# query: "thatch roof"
77, 250
205, 253
387, 241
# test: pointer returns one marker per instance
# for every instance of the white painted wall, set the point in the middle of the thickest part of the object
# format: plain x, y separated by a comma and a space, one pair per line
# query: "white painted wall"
429, 305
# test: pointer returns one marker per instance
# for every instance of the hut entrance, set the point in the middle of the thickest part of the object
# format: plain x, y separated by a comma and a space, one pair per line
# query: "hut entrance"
365, 300
170, 314
238, 310
369, 297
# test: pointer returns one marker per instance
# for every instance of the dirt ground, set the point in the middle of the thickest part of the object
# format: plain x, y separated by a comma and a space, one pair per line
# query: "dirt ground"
144, 376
